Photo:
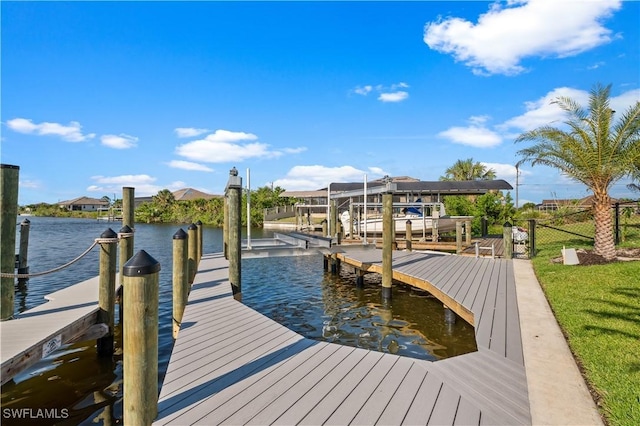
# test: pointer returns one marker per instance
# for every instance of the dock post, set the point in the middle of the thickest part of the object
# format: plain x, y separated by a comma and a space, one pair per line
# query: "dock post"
107, 289
180, 281
140, 337
359, 278
128, 207
192, 238
9, 215
484, 226
350, 230
23, 264
532, 238
225, 227
126, 251
126, 247
467, 232
234, 194
387, 240
324, 227
408, 235
334, 220
199, 225
435, 214
507, 240
325, 262
335, 265
458, 237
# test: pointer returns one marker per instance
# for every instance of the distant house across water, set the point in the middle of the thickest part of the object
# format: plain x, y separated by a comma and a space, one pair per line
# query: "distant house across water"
185, 194
84, 204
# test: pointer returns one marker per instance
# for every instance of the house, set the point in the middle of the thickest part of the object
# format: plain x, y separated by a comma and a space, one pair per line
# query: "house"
185, 194
84, 204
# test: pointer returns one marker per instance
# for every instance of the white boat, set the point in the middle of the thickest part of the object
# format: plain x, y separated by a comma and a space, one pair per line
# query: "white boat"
420, 223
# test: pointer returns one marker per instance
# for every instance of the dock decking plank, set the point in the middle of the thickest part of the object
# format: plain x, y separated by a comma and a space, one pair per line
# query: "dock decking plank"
287, 379
383, 393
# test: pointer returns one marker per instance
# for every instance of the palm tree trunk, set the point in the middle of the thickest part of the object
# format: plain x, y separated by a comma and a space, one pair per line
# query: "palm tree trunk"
604, 244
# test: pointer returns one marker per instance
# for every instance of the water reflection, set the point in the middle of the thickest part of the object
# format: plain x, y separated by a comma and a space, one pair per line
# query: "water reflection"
295, 293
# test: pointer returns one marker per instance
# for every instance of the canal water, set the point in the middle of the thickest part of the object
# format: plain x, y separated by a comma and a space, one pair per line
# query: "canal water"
294, 291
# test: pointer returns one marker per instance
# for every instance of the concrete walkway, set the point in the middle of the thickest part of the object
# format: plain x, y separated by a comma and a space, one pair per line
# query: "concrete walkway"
557, 392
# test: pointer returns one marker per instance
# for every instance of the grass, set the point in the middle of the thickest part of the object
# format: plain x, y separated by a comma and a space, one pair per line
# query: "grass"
598, 308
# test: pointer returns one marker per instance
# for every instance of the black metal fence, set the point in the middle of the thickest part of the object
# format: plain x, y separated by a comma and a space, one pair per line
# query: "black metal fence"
577, 227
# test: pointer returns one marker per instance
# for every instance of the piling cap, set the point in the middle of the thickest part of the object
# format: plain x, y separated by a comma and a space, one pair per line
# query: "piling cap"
25, 222
180, 234
192, 227
109, 233
126, 229
199, 223
507, 224
140, 264
9, 166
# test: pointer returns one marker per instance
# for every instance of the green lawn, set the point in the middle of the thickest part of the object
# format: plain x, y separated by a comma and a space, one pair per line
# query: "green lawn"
598, 307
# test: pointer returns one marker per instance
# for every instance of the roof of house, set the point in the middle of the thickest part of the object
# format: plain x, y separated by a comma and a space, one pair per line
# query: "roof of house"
85, 201
186, 194
436, 187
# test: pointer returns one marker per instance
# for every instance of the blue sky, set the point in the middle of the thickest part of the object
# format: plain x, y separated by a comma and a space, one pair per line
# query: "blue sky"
101, 95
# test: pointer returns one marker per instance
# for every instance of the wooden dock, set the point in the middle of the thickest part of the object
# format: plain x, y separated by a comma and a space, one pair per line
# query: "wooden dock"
70, 315
232, 365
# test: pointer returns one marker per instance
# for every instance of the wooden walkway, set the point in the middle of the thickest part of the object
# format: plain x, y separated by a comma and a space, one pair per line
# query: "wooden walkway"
69, 315
232, 365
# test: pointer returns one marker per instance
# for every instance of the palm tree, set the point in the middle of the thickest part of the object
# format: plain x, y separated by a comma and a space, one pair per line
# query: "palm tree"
591, 150
468, 170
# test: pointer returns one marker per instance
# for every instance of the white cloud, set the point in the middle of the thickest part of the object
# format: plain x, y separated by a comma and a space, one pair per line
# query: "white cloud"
385, 93
189, 132
398, 96
226, 146
363, 90
544, 112
475, 135
188, 165
504, 36
315, 177
71, 133
120, 141
144, 185
294, 150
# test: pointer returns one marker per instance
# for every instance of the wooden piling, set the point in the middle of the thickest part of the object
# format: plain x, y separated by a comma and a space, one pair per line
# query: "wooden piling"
359, 278
128, 207
408, 235
507, 240
234, 194
387, 244
458, 237
467, 232
199, 225
180, 278
23, 253
140, 339
126, 247
225, 227
192, 238
107, 289
8, 217
333, 216
324, 228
